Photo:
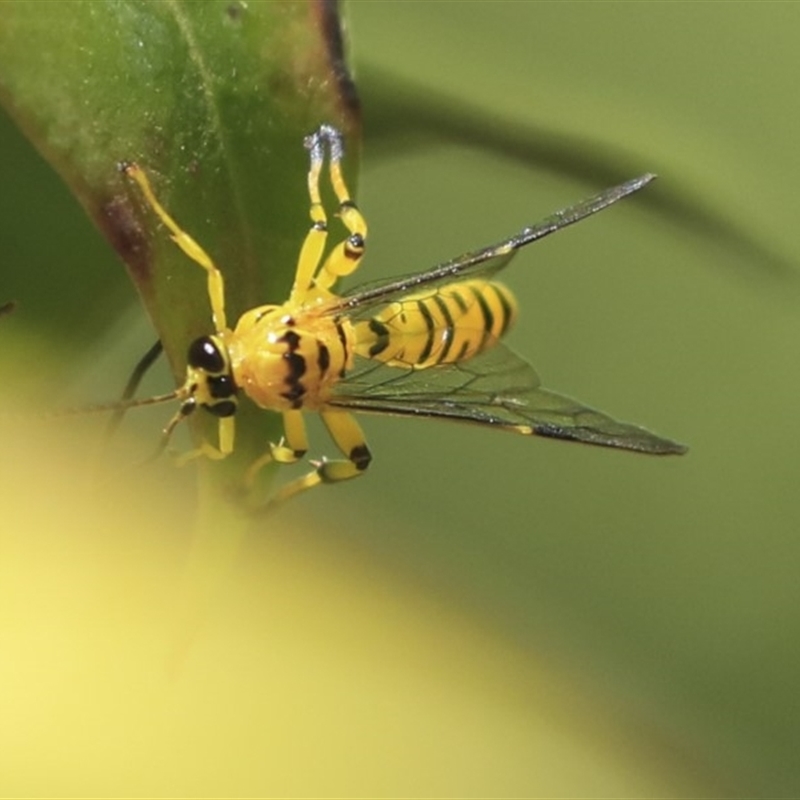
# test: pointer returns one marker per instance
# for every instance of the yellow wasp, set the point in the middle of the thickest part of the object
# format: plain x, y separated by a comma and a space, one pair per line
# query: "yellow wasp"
425, 345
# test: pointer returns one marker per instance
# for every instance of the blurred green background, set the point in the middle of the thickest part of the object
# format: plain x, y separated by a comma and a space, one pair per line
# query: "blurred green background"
665, 590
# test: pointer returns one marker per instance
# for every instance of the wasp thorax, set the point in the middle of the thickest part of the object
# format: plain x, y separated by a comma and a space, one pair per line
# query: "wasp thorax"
283, 364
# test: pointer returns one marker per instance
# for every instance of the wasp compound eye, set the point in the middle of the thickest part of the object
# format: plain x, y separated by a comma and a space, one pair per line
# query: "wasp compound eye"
204, 353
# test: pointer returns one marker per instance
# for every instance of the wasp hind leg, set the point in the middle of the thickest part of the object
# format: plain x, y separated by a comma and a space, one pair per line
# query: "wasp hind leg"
349, 438
346, 256
216, 285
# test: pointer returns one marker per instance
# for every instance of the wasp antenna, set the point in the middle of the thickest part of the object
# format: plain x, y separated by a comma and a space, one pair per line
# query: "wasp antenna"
132, 385
185, 409
119, 405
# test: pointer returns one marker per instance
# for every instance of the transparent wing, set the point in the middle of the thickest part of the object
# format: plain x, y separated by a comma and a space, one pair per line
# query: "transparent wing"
496, 388
484, 262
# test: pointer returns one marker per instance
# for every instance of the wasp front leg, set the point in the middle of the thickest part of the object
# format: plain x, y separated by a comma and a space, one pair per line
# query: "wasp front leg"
349, 438
206, 449
216, 286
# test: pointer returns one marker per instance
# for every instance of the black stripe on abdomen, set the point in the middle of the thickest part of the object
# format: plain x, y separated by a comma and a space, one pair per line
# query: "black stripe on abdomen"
381, 337
508, 311
343, 341
488, 316
449, 328
431, 331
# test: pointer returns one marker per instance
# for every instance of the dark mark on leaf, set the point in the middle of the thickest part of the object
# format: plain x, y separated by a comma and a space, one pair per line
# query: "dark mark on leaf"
119, 224
331, 26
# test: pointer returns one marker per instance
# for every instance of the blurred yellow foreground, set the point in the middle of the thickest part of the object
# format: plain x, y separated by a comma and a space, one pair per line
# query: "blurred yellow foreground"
305, 672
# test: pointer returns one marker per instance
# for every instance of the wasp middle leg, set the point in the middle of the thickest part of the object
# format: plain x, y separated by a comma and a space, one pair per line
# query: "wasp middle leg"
349, 438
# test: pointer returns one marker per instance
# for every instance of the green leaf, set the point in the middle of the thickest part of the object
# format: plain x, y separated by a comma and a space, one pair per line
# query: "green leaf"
213, 100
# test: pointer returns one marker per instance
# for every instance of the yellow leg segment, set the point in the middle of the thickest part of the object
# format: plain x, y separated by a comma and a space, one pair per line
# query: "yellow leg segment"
345, 257
349, 438
314, 244
216, 285
207, 450
292, 447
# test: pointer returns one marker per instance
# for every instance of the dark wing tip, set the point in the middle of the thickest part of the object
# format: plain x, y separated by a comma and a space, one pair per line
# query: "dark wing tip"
674, 448
635, 184
621, 437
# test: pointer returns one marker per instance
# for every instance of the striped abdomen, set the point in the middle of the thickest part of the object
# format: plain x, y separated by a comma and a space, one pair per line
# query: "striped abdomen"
441, 326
